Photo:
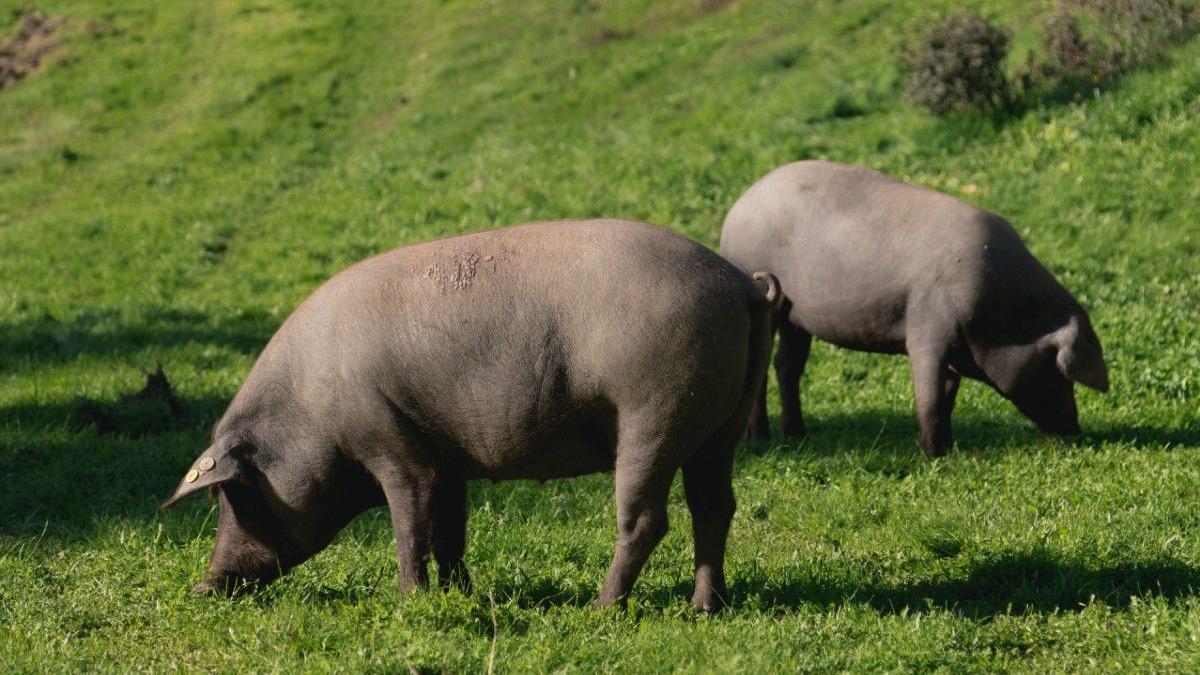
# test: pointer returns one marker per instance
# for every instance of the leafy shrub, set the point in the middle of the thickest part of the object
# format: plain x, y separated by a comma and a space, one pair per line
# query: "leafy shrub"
1096, 40
1068, 51
959, 65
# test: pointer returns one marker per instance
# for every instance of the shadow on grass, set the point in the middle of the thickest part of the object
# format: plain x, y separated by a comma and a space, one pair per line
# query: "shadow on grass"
1000, 583
1010, 582
60, 474
1143, 435
894, 432
42, 341
891, 435
58, 470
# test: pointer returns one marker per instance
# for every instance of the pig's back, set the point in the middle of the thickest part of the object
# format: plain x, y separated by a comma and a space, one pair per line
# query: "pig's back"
855, 250
521, 340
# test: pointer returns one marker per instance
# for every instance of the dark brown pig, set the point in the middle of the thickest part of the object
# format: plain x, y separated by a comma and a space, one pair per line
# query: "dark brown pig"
542, 351
870, 263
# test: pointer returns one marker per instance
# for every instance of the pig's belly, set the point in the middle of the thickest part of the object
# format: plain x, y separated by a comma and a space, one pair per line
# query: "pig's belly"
853, 321
564, 451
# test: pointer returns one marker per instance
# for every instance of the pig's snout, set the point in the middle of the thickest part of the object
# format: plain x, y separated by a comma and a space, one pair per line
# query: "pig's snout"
230, 584
225, 585
210, 587
1066, 424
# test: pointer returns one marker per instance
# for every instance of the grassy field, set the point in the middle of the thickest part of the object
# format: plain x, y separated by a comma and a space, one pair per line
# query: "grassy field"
178, 176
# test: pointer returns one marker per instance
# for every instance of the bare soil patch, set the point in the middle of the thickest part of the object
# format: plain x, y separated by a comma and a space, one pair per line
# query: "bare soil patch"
22, 53
606, 34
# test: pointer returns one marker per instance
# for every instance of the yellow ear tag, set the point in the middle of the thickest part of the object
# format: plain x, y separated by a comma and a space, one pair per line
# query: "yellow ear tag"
192, 476
207, 463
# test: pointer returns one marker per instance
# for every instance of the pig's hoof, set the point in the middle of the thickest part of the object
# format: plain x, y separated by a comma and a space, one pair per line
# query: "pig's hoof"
757, 434
605, 603
709, 602
456, 579
795, 434
793, 429
1068, 430
935, 451
208, 587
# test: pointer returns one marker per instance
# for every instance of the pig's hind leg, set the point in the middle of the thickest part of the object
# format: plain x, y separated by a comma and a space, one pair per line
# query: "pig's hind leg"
642, 477
708, 486
759, 427
795, 343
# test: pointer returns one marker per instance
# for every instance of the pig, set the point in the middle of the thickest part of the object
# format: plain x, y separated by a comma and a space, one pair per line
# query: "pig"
542, 351
870, 263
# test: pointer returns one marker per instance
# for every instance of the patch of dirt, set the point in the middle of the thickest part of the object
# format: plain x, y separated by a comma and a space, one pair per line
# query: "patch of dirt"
606, 34
153, 409
707, 6
22, 53
387, 120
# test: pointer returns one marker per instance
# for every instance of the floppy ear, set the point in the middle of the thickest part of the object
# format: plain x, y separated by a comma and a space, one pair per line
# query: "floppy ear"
215, 465
1079, 358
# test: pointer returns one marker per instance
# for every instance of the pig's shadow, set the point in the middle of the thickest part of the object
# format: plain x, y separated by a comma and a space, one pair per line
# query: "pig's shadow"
995, 584
1139, 434
1004, 583
894, 432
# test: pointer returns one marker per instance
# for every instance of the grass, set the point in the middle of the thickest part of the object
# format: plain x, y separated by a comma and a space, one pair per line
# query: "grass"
180, 175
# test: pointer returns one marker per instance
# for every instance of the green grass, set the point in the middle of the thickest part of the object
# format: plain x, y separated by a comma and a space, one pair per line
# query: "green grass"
180, 175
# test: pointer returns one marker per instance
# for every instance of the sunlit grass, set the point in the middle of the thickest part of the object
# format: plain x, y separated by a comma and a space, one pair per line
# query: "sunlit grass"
180, 175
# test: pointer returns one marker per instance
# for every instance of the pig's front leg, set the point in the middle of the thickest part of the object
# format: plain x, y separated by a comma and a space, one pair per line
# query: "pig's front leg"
935, 387
410, 499
950, 384
450, 532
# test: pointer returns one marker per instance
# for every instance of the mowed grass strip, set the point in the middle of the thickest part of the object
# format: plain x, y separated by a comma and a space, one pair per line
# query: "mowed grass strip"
176, 177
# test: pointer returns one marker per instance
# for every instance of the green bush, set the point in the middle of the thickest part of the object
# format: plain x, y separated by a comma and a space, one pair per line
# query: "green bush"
1097, 40
959, 65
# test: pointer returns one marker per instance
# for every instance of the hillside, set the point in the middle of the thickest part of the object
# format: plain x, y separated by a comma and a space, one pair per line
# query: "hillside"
176, 177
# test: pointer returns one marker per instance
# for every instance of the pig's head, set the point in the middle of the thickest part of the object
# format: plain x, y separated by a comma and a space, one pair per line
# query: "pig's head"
1039, 375
273, 516
1048, 398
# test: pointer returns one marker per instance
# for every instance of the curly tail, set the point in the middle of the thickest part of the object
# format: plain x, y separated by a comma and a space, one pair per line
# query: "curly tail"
763, 307
769, 285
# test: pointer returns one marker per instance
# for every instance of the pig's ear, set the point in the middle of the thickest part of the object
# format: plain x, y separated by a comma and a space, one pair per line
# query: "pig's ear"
1078, 356
217, 464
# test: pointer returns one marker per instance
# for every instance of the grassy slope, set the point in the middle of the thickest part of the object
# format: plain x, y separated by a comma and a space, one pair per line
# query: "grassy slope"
183, 174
